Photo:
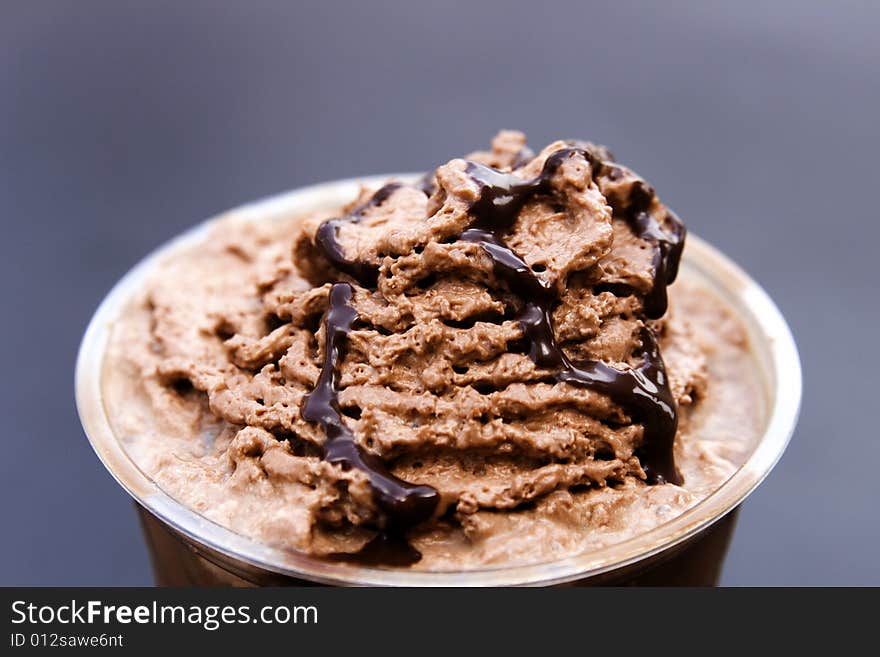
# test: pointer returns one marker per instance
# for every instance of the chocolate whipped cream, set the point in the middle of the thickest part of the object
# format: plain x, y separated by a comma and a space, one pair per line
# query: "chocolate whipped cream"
485, 366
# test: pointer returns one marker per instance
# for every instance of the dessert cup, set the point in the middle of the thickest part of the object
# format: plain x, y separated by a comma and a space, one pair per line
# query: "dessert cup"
187, 549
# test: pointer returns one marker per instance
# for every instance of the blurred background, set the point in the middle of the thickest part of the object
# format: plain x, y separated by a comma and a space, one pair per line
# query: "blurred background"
123, 123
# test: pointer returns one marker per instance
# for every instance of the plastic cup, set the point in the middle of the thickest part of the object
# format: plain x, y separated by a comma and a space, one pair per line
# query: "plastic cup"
187, 549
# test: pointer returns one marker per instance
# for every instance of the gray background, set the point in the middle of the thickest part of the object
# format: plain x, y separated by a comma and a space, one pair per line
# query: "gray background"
121, 125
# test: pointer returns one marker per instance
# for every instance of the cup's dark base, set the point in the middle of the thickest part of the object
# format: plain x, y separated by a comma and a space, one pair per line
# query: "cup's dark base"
698, 562
177, 561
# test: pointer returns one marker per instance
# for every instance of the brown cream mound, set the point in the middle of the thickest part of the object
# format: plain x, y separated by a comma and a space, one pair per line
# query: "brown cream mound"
207, 373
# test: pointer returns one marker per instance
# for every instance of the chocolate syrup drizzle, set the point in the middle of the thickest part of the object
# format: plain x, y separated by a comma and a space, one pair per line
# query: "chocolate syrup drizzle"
426, 184
668, 246
363, 272
402, 503
522, 158
642, 391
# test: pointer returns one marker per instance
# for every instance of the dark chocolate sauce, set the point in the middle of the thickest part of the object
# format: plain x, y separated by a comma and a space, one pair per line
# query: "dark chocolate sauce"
326, 238
642, 391
426, 184
667, 245
402, 503
523, 157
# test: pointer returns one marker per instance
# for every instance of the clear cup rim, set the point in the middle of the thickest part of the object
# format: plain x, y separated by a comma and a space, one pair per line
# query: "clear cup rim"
769, 333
